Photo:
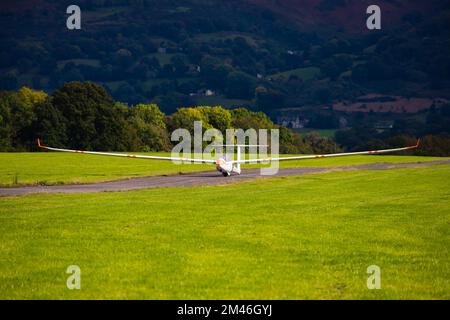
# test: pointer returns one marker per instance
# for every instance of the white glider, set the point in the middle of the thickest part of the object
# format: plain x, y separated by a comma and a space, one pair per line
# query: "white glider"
226, 167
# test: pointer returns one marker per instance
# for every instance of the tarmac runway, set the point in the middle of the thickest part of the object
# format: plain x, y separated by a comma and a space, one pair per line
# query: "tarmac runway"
197, 179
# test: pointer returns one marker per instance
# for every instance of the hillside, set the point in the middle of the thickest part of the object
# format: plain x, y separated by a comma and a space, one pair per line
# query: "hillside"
257, 53
345, 15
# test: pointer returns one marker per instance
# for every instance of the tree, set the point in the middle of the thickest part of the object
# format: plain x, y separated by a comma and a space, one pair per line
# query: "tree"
335, 65
320, 144
31, 97
324, 121
360, 73
124, 92
22, 104
322, 95
268, 99
180, 67
170, 102
6, 130
214, 72
185, 117
291, 142
49, 124
150, 113
240, 85
149, 123
93, 120
435, 145
16, 116
8, 81
218, 117
246, 119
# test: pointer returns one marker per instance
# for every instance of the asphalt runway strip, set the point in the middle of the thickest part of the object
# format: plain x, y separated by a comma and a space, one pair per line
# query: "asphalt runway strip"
205, 178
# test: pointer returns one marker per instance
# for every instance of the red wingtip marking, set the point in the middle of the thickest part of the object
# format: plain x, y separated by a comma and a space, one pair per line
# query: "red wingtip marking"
418, 143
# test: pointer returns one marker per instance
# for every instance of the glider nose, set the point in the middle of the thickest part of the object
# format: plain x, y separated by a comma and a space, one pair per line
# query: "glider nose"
219, 165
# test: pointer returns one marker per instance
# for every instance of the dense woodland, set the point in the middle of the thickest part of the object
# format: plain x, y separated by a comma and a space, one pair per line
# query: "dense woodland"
84, 116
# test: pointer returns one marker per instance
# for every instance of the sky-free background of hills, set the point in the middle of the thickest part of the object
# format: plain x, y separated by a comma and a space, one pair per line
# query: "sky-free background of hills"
270, 54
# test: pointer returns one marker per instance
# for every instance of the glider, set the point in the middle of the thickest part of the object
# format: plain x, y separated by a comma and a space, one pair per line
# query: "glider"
226, 167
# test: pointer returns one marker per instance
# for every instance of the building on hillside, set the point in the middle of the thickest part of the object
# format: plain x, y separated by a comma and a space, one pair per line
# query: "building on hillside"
203, 93
343, 123
294, 122
382, 126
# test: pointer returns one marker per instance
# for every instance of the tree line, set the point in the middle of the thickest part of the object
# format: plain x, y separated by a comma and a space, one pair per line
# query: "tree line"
82, 115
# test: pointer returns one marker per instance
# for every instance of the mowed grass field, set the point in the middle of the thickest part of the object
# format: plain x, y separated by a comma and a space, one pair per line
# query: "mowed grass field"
304, 237
47, 168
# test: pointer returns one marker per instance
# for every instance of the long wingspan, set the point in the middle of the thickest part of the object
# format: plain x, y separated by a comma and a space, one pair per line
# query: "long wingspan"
137, 156
262, 160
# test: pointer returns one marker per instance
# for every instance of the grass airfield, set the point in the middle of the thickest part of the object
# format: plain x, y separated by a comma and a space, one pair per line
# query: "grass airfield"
301, 237
50, 168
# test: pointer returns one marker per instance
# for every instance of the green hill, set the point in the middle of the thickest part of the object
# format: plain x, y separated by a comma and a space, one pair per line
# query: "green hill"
161, 51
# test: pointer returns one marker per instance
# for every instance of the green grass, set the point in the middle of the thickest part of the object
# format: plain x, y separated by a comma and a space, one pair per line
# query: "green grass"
306, 237
47, 168
59, 168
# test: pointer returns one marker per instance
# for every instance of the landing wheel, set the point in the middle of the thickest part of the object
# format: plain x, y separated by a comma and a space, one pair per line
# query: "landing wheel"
225, 174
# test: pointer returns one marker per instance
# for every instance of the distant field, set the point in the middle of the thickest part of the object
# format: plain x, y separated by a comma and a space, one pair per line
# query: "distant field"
163, 58
397, 105
303, 73
88, 62
206, 37
147, 85
322, 132
220, 100
308, 237
48, 168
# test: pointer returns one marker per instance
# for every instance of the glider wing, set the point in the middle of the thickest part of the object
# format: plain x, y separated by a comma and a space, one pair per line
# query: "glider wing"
265, 160
137, 156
